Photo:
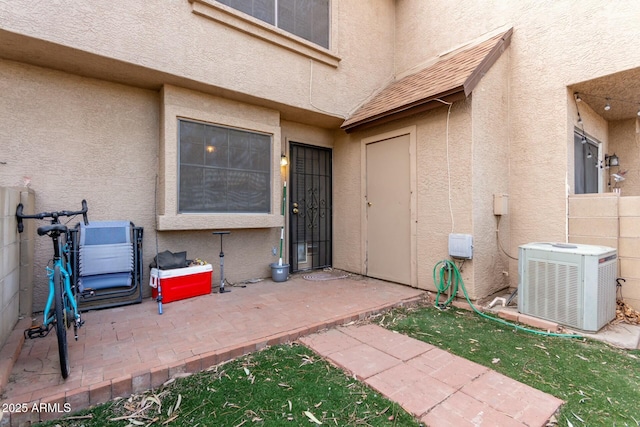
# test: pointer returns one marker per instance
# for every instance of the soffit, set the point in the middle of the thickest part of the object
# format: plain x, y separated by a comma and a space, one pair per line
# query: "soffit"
450, 78
621, 90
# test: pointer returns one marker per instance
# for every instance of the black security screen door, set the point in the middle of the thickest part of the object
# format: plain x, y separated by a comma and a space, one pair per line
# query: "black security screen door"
310, 207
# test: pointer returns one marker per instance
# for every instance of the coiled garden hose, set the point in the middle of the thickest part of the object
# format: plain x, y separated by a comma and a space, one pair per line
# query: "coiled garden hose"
447, 279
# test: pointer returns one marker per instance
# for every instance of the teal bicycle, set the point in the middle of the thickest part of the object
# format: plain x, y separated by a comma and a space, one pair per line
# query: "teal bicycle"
61, 310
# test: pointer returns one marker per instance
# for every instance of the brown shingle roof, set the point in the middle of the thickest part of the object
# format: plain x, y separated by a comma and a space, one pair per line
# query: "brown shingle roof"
453, 77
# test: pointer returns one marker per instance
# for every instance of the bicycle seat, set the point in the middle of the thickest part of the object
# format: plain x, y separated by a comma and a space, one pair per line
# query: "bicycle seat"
46, 229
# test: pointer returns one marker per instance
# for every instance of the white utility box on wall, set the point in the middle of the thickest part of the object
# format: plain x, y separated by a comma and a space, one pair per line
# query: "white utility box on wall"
571, 284
500, 204
461, 246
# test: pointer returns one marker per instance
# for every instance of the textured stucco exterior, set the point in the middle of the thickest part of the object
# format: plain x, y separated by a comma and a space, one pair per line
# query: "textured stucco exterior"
550, 51
158, 42
92, 91
490, 178
71, 138
178, 104
625, 140
462, 161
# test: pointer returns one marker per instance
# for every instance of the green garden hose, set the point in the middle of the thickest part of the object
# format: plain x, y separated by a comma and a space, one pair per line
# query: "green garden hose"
449, 280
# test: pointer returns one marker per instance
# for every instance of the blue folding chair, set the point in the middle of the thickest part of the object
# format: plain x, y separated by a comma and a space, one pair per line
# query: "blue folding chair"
107, 258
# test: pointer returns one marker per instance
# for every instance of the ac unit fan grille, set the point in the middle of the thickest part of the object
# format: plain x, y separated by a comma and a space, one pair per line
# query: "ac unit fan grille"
554, 292
606, 308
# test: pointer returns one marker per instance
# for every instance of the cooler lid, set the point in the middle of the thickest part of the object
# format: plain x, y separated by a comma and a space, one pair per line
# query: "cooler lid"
177, 272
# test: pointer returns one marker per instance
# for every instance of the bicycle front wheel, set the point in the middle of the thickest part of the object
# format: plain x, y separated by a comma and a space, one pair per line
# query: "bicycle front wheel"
61, 324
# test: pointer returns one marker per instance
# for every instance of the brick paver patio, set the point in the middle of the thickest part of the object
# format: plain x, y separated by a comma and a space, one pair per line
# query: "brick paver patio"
130, 349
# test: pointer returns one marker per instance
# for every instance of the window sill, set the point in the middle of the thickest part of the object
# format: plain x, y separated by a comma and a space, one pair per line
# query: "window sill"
249, 25
218, 221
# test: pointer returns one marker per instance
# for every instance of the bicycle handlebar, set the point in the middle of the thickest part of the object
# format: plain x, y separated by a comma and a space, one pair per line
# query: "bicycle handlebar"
53, 215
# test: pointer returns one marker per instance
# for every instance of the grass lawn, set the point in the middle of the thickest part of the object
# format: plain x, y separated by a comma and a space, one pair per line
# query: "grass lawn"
290, 385
286, 385
599, 383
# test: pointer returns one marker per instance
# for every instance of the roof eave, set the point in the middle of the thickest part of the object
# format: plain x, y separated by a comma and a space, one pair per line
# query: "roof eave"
430, 102
420, 106
474, 78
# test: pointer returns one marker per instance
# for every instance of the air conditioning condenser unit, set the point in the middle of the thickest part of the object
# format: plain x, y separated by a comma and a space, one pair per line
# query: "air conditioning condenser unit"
570, 284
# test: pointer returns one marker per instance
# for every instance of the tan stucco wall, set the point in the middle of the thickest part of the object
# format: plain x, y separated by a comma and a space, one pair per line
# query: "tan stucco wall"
142, 47
625, 143
551, 49
444, 186
9, 261
102, 140
629, 249
594, 219
156, 42
490, 164
462, 161
119, 138
305, 134
179, 103
434, 218
347, 201
70, 138
426, 29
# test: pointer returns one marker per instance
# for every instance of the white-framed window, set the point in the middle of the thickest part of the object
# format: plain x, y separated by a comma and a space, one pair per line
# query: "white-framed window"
308, 19
223, 169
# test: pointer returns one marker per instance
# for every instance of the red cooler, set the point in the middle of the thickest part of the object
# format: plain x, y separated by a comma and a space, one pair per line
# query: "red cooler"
181, 283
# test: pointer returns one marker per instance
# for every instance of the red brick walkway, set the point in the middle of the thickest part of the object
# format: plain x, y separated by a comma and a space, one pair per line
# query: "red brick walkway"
439, 388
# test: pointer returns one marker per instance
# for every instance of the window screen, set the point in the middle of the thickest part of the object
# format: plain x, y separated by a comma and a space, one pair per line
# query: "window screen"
308, 19
223, 169
264, 10
585, 164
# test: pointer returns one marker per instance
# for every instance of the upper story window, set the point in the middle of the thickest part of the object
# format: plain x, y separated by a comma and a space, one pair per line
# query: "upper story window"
308, 19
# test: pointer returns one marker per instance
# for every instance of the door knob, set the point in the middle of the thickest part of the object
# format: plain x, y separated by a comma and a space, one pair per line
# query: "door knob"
295, 205
295, 210
369, 204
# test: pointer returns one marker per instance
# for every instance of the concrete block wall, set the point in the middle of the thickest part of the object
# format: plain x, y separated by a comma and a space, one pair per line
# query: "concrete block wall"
593, 219
611, 220
9, 263
629, 249
16, 271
